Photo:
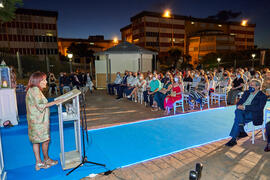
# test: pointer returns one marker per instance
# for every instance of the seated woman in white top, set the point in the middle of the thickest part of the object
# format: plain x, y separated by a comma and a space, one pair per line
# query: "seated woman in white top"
225, 82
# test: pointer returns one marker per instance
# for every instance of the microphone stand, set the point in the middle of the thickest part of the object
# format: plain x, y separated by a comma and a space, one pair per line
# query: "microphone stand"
84, 131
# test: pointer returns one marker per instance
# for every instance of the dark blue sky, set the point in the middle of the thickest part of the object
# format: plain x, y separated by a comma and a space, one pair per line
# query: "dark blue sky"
81, 18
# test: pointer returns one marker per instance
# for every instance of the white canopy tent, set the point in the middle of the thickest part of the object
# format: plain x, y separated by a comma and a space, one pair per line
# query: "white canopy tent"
124, 56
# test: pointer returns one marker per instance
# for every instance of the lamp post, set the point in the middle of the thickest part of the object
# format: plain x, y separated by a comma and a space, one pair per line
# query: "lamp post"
70, 56
253, 58
1, 4
218, 61
115, 40
167, 14
244, 24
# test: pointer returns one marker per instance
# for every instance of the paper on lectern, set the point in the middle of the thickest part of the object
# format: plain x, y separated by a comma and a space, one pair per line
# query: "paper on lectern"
69, 95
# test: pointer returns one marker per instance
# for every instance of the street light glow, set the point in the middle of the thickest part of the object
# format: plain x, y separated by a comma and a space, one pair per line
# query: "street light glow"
1, 4
218, 59
70, 55
115, 40
244, 22
167, 14
253, 56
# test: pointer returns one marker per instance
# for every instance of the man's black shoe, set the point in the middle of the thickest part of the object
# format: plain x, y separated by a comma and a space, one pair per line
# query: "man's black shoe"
267, 148
231, 143
242, 135
118, 97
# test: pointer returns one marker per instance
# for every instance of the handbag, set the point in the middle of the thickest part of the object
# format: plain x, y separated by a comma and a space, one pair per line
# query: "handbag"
173, 93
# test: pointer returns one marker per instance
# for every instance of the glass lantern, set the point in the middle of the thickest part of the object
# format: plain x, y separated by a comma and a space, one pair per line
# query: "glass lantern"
5, 81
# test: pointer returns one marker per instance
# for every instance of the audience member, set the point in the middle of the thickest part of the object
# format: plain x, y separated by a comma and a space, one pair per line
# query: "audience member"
174, 96
115, 84
237, 87
267, 134
155, 86
161, 94
249, 108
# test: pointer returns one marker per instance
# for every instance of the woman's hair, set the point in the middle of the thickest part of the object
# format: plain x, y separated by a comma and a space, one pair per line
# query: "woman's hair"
52, 75
35, 80
228, 73
259, 73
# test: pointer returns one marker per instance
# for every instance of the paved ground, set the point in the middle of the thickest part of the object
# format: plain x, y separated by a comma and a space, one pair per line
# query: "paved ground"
244, 161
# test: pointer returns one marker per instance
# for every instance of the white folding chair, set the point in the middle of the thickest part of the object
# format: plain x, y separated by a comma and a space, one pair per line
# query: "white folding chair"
179, 103
207, 100
267, 111
185, 94
219, 95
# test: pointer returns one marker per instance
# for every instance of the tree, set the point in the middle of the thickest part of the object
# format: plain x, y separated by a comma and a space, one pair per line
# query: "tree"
81, 51
7, 13
186, 61
225, 15
174, 54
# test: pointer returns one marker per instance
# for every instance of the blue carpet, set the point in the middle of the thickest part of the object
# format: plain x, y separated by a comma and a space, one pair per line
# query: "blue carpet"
20, 161
117, 146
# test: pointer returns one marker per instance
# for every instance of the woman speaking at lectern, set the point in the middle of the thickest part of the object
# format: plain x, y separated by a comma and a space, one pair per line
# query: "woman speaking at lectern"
38, 119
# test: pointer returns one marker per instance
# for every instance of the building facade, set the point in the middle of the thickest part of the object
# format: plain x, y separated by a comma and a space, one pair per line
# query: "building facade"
154, 31
206, 42
96, 43
31, 33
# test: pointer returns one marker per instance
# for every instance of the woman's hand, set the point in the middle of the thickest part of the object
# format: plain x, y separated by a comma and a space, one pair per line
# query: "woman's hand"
53, 103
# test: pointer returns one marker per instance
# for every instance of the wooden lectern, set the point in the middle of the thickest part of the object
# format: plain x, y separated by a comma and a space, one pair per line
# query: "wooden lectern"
72, 158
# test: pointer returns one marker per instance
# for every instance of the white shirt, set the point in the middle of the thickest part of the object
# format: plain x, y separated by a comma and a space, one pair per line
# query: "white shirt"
118, 80
129, 80
135, 81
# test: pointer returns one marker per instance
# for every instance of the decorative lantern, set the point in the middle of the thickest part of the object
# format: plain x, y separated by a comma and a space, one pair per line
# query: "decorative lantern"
5, 81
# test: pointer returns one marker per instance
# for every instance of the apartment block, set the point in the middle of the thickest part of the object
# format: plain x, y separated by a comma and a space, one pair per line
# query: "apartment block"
31, 33
154, 31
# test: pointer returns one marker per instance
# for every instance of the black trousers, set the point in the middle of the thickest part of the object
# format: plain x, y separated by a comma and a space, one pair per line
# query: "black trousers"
267, 132
111, 88
120, 90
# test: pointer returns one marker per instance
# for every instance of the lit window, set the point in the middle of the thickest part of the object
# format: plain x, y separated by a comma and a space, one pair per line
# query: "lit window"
219, 25
91, 43
192, 22
49, 34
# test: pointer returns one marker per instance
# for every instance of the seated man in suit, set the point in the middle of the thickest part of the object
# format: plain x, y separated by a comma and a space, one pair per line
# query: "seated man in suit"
249, 108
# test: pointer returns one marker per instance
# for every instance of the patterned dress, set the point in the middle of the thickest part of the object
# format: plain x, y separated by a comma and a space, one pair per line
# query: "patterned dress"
37, 116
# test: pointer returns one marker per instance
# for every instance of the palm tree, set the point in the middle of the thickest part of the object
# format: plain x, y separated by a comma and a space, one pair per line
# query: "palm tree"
175, 53
7, 13
82, 51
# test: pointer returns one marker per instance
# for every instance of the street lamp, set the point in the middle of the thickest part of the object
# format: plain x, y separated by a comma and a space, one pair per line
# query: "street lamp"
1, 4
115, 40
218, 61
167, 14
253, 58
70, 56
244, 23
